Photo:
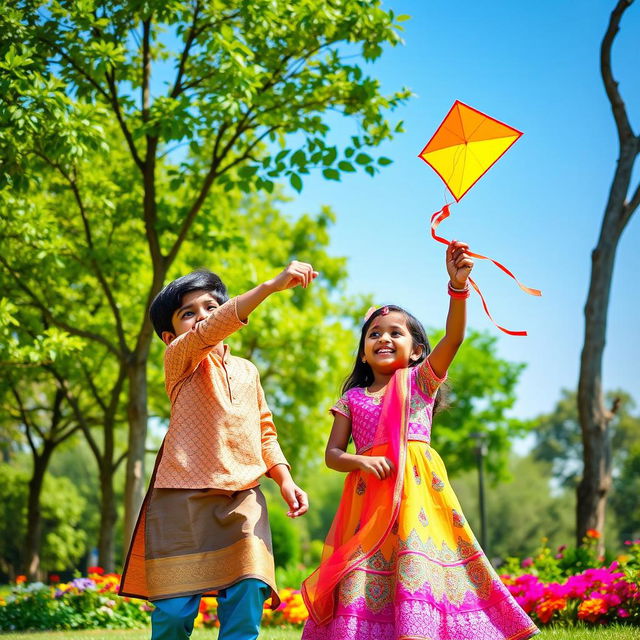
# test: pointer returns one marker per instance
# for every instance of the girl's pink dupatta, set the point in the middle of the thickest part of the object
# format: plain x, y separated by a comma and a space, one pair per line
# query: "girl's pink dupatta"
345, 549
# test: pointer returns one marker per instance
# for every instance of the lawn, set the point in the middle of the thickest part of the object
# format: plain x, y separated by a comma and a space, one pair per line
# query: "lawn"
600, 633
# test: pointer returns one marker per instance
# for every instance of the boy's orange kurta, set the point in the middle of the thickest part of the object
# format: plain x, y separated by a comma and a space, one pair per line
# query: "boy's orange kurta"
203, 525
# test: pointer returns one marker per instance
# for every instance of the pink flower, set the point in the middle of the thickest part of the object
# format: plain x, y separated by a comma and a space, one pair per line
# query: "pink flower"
527, 562
622, 613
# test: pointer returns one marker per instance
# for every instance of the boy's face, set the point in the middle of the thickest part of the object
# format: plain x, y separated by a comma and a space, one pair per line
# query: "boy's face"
196, 306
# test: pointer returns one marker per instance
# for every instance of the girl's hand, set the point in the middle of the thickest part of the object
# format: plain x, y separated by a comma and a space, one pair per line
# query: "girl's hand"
296, 274
459, 263
295, 497
379, 466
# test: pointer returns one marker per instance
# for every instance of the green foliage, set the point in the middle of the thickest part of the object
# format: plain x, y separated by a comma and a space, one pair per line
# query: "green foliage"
63, 538
246, 74
285, 538
82, 607
559, 442
482, 389
519, 510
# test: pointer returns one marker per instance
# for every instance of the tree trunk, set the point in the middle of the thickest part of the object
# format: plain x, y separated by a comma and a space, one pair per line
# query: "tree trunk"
33, 538
108, 517
138, 415
593, 490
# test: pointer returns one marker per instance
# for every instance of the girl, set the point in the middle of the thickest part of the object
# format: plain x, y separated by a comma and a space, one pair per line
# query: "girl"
400, 561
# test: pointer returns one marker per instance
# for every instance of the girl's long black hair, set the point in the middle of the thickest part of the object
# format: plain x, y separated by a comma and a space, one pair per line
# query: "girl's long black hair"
362, 374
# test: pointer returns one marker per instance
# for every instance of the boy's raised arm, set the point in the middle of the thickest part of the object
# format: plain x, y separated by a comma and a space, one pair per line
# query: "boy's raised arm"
296, 274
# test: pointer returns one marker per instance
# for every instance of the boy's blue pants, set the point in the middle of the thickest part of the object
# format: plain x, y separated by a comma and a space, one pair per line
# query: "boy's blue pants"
239, 612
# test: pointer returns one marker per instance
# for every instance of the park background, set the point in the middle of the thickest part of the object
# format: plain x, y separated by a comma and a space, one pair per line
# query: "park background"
538, 210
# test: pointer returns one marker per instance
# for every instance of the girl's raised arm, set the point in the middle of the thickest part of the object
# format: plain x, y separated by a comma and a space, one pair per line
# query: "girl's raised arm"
459, 265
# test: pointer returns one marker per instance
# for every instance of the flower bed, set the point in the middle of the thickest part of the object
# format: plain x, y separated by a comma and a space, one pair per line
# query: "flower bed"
554, 588
83, 603
551, 592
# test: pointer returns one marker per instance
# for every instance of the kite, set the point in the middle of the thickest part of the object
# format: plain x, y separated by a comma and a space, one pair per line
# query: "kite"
464, 147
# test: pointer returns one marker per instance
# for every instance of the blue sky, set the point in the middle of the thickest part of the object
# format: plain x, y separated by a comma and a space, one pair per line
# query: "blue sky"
533, 65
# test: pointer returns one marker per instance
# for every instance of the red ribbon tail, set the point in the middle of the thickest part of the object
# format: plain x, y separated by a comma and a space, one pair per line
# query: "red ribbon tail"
443, 214
486, 310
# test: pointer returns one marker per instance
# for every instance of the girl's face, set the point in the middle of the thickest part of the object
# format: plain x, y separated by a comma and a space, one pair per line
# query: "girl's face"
388, 345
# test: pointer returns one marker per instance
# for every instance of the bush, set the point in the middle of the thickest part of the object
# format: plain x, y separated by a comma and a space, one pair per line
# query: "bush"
83, 603
285, 537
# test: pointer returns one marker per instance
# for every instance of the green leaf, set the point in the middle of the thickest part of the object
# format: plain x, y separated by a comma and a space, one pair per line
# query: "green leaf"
331, 174
363, 158
345, 166
296, 182
382, 161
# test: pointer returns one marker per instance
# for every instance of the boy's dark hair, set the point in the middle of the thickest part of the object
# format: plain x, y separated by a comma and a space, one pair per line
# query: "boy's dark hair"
170, 298
362, 374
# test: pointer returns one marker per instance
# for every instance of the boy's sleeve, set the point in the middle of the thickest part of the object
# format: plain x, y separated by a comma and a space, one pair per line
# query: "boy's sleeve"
428, 381
271, 451
185, 353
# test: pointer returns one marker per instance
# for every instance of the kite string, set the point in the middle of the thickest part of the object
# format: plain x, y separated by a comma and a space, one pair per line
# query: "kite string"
436, 219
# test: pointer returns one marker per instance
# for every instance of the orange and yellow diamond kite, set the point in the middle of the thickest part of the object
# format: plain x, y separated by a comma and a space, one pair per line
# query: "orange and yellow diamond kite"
465, 146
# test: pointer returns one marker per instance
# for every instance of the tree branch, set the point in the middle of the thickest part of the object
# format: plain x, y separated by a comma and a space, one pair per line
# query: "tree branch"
25, 420
611, 86
113, 305
177, 87
115, 105
81, 333
77, 412
99, 88
632, 205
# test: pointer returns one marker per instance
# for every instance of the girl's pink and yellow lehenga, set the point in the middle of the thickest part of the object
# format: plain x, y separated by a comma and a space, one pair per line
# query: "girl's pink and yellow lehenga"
400, 562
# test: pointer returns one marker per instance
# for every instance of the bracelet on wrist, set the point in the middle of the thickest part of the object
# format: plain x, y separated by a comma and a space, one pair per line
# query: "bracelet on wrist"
459, 294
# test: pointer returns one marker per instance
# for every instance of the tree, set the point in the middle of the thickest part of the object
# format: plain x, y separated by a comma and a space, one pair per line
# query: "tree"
622, 203
559, 442
521, 510
481, 390
299, 340
253, 84
63, 539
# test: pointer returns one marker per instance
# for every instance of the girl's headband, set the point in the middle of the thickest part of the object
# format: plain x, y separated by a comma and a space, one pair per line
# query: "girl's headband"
372, 310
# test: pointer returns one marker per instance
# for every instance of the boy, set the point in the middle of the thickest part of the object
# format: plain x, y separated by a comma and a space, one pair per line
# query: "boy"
203, 526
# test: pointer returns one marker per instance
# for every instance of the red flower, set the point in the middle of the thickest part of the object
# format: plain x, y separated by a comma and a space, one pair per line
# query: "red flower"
54, 578
593, 533
21, 579
98, 570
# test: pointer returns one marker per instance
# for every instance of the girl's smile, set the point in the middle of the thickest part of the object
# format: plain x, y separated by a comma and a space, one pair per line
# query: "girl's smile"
388, 344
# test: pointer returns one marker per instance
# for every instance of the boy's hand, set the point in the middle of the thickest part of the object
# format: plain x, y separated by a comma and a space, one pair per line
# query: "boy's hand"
379, 466
295, 497
459, 263
296, 274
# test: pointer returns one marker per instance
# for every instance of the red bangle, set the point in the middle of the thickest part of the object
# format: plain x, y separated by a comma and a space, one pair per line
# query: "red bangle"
459, 294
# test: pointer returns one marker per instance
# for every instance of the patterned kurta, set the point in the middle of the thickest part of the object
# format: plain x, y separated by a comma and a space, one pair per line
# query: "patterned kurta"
429, 580
203, 525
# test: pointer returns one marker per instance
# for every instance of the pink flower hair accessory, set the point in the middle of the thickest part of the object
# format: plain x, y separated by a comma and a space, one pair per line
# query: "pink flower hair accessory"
372, 310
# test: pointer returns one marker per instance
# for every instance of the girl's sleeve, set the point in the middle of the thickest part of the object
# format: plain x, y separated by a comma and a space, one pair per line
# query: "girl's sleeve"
342, 406
428, 381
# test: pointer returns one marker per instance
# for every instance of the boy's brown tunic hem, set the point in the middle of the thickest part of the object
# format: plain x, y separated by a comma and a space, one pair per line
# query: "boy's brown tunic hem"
189, 542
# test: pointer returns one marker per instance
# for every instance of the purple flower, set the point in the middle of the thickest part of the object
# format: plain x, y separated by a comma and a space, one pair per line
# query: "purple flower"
82, 584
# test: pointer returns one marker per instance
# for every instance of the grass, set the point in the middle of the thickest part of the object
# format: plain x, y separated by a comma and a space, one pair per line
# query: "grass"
143, 634
598, 633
